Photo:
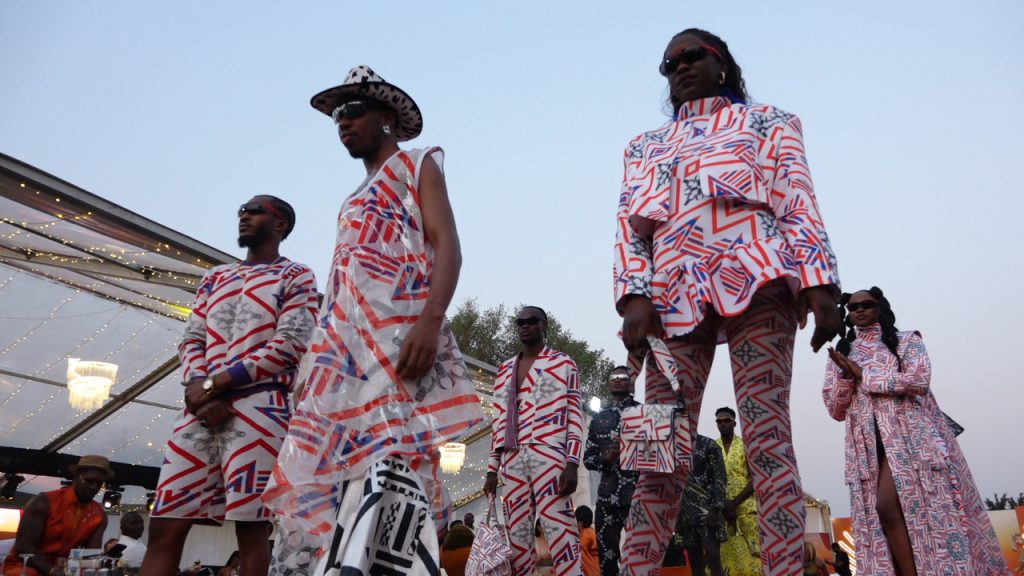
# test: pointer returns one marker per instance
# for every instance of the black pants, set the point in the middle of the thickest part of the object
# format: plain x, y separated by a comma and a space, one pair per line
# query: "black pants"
613, 498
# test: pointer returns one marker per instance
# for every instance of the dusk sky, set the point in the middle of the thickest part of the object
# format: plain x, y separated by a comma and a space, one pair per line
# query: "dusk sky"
180, 111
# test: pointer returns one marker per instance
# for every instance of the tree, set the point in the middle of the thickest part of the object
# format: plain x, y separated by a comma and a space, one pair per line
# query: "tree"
1004, 502
490, 336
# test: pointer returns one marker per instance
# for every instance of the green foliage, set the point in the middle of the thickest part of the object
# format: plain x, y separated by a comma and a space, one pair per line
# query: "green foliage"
1004, 502
490, 336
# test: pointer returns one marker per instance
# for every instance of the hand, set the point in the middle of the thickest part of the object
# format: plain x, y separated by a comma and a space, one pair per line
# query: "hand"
195, 396
568, 479
491, 484
851, 370
419, 350
610, 455
713, 519
639, 319
214, 413
819, 299
730, 511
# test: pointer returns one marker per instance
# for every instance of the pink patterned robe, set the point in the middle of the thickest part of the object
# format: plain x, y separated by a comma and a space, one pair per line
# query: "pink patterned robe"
949, 528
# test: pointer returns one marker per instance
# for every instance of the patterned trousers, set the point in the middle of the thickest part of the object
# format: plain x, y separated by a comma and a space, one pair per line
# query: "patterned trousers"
761, 350
609, 519
531, 476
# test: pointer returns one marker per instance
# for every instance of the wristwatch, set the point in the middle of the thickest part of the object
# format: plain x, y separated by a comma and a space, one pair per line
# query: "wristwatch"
208, 385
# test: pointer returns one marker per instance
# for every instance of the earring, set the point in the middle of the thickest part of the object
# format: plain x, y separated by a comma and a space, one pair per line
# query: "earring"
387, 129
721, 79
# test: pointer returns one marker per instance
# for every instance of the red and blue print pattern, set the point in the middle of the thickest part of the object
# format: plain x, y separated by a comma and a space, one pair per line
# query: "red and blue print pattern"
729, 191
354, 409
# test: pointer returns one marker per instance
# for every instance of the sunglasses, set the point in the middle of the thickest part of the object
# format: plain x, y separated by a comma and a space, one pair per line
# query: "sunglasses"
866, 305
350, 110
618, 378
256, 208
531, 321
689, 57
724, 420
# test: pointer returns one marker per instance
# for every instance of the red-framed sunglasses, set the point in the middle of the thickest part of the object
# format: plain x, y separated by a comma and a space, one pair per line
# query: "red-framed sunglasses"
689, 56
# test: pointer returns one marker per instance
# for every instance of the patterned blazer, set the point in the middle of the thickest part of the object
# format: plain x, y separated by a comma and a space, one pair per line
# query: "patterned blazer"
550, 407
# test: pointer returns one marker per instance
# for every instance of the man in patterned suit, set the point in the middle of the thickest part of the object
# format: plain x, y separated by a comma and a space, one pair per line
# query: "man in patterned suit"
249, 327
615, 491
536, 444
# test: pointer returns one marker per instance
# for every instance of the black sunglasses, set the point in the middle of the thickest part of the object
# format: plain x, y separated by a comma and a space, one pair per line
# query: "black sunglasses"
350, 110
531, 321
866, 305
689, 57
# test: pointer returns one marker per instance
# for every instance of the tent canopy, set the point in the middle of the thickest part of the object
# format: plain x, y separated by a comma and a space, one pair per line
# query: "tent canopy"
83, 277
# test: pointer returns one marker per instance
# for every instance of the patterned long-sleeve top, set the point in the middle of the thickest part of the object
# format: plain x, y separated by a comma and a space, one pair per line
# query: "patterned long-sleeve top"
730, 193
550, 408
603, 434
252, 320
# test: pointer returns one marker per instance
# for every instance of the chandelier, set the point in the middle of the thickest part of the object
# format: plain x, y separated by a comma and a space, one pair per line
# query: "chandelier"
453, 454
89, 383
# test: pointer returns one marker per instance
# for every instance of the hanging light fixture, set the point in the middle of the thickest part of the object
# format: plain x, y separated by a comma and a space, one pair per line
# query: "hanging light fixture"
453, 454
89, 383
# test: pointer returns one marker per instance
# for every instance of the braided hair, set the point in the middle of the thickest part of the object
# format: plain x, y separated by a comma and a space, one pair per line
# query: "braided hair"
734, 88
886, 320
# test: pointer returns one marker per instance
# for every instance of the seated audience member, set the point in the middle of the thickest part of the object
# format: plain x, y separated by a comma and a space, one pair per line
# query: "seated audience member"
455, 549
132, 527
231, 566
54, 523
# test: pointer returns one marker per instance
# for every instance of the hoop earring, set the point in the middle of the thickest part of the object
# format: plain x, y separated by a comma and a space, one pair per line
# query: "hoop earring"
387, 129
721, 79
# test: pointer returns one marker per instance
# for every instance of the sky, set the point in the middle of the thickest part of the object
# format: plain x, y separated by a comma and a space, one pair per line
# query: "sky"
180, 111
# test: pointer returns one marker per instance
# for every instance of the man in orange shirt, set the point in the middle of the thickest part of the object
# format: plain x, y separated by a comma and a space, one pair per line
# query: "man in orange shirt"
53, 523
588, 541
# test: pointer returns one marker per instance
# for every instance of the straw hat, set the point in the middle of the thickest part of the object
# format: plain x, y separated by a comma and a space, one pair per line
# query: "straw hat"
93, 462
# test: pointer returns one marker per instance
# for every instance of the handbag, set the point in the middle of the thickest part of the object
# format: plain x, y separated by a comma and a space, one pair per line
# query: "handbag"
656, 437
491, 553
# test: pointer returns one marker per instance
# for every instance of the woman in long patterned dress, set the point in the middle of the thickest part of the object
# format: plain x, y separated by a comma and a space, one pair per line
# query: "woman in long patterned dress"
384, 382
916, 509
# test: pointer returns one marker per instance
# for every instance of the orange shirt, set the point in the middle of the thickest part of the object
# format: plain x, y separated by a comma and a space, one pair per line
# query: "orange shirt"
68, 525
588, 551
454, 561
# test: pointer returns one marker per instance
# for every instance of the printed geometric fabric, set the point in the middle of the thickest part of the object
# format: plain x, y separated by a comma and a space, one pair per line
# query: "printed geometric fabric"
531, 475
383, 526
740, 551
949, 527
490, 554
354, 409
705, 492
549, 407
761, 352
729, 191
615, 490
613, 502
219, 474
253, 320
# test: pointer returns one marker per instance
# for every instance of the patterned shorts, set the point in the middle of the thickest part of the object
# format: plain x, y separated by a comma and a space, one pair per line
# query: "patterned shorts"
218, 474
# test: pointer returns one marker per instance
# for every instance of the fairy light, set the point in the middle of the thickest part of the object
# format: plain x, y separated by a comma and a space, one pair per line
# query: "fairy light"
71, 353
148, 367
51, 316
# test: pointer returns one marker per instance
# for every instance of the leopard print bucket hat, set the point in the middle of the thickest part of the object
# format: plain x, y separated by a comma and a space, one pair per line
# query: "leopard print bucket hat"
362, 81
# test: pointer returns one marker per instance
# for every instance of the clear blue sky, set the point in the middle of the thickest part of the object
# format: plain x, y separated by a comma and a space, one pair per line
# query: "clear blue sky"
182, 110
